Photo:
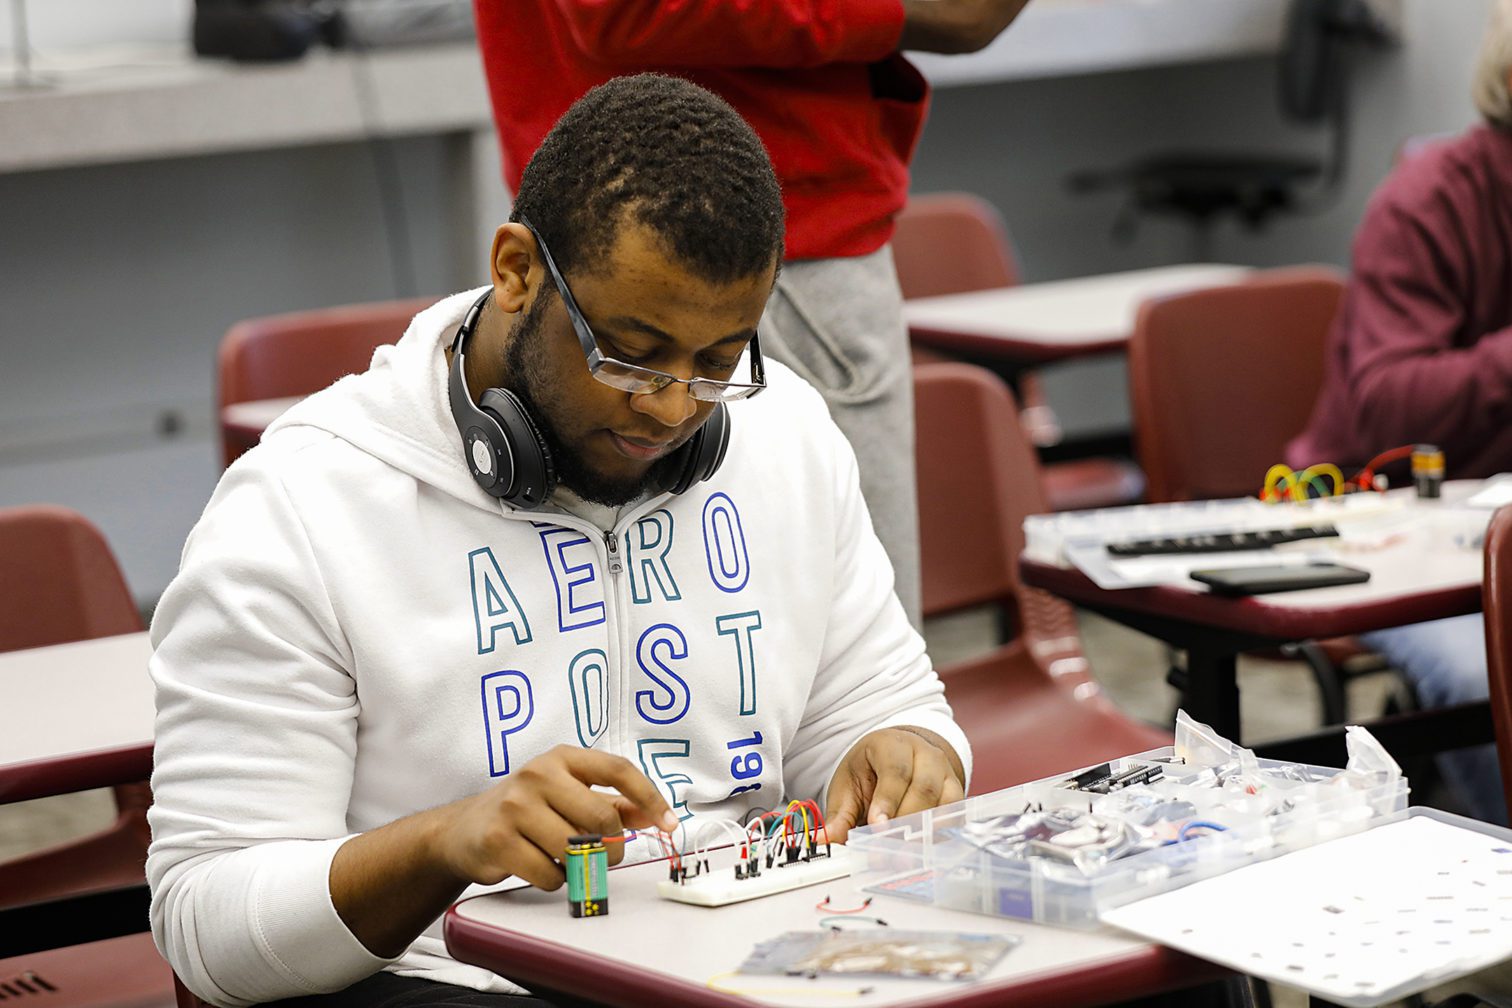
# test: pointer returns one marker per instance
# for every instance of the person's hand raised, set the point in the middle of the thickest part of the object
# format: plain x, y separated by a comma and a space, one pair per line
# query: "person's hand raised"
521, 825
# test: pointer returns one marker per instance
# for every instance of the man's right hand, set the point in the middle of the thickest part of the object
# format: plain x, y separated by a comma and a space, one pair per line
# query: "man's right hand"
521, 825
955, 26
390, 883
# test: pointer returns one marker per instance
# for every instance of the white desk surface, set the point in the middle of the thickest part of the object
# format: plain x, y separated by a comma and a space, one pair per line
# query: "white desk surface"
72, 699
1084, 310
1420, 563
256, 414
1427, 564
700, 944
1437, 549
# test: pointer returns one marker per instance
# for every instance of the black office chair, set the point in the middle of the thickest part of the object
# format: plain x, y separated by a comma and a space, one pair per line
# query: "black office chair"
1322, 37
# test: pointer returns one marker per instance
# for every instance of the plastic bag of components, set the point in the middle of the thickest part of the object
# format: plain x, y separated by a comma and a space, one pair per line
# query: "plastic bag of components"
878, 951
1199, 745
1369, 763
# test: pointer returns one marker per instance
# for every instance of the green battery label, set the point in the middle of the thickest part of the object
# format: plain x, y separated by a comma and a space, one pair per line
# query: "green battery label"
587, 866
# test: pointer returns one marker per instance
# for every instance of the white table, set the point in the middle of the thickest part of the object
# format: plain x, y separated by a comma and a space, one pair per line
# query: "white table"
1034, 323
647, 950
246, 421
1417, 576
75, 716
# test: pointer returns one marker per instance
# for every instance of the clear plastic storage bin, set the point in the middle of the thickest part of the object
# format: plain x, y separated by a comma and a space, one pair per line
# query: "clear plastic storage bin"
957, 855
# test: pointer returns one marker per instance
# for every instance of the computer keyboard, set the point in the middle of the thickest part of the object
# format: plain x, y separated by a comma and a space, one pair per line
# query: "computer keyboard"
1219, 542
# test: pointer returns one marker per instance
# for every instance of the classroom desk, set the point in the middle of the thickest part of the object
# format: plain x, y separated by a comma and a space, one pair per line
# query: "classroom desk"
651, 951
1416, 578
1042, 322
78, 716
246, 421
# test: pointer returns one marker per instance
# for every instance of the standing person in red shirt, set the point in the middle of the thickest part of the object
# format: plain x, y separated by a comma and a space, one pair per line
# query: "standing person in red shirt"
839, 111
1422, 352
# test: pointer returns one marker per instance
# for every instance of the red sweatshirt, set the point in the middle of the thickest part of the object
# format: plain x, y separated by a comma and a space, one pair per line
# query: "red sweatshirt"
1422, 349
819, 80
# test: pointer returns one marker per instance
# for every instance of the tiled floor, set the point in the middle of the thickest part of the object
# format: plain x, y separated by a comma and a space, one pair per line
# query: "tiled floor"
1279, 698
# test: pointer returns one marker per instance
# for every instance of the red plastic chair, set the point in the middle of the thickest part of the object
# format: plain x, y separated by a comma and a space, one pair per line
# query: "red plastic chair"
949, 243
60, 584
1498, 599
946, 243
1220, 379
1029, 706
295, 354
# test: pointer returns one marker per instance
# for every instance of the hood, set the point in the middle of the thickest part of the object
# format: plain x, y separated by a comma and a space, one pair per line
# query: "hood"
396, 410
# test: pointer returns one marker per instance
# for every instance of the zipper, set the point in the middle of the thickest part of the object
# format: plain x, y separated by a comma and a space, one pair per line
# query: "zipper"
611, 542
616, 733
616, 614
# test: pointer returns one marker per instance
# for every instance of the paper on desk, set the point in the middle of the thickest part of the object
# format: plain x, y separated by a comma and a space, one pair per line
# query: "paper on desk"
1369, 526
1494, 494
1360, 920
1107, 571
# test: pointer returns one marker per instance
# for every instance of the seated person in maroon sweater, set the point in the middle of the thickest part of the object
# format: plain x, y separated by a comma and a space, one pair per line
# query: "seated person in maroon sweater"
1422, 352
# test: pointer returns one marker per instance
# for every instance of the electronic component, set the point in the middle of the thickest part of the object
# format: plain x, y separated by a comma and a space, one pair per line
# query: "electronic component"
1076, 783
1102, 780
774, 852
1427, 470
1219, 542
720, 887
587, 866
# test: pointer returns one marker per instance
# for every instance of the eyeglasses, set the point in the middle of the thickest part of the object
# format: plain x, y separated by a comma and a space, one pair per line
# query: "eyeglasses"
631, 377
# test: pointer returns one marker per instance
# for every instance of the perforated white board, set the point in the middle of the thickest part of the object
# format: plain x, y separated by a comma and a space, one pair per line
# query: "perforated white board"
1360, 920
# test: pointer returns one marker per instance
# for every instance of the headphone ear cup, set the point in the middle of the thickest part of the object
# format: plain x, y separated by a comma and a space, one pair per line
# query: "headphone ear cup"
700, 457
532, 475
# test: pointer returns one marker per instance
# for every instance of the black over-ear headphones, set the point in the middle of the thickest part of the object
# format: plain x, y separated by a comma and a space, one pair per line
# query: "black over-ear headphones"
508, 457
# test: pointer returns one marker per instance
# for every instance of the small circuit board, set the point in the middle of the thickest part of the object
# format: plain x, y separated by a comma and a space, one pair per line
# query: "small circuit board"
772, 853
721, 886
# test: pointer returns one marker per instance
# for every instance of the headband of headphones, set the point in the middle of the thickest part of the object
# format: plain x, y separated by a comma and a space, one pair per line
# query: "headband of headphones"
508, 457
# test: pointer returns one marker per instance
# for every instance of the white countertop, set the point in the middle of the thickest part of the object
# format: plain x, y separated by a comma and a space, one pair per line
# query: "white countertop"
141, 103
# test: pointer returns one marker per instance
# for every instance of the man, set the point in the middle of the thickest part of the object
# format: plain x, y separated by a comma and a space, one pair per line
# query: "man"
839, 110
396, 662
1422, 352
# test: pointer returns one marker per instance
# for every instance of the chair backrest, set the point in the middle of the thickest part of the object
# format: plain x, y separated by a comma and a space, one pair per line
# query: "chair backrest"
946, 243
1220, 379
1498, 602
59, 582
298, 353
977, 477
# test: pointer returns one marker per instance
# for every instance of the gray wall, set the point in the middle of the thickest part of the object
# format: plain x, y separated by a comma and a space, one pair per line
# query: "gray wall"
119, 281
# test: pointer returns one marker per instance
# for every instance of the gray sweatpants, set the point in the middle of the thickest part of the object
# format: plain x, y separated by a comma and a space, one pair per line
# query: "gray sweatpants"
839, 323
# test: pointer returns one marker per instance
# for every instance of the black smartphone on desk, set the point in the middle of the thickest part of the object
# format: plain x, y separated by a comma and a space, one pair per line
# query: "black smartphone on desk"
1278, 578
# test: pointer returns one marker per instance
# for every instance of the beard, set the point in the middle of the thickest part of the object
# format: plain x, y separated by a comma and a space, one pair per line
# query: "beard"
525, 376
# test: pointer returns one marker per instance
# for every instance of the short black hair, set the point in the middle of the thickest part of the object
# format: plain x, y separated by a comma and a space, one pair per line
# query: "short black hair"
687, 164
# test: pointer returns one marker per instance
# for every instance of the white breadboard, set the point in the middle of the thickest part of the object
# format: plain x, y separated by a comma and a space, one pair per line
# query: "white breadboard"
720, 886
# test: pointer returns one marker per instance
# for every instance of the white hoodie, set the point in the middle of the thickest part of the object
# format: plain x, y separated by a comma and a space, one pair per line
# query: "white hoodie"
357, 632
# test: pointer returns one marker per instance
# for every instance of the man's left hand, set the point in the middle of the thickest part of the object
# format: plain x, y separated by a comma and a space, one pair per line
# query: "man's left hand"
892, 772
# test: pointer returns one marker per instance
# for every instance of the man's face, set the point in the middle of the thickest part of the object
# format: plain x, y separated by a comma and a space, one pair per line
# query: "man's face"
645, 308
